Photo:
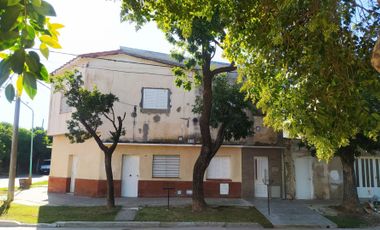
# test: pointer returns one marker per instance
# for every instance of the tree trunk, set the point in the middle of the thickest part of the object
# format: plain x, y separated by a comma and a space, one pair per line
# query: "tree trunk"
199, 203
375, 59
205, 156
110, 186
350, 200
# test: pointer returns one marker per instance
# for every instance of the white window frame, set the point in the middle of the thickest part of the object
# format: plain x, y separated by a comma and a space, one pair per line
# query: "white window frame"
219, 168
166, 166
153, 99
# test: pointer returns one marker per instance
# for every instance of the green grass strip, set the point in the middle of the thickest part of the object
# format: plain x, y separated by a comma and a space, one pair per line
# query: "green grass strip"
211, 214
50, 214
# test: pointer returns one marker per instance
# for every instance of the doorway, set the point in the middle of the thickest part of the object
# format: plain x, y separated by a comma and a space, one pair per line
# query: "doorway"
304, 177
261, 174
130, 176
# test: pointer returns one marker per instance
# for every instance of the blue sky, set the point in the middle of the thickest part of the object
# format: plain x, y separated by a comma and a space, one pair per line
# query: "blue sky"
90, 26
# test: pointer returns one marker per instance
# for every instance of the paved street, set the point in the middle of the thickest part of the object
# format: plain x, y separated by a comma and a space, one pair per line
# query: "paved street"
184, 228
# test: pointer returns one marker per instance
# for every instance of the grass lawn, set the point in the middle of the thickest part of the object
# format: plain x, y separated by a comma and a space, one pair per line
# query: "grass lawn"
212, 214
50, 214
346, 221
39, 184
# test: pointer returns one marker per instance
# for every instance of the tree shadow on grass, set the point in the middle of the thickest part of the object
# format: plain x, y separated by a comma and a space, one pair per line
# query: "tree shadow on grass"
4, 207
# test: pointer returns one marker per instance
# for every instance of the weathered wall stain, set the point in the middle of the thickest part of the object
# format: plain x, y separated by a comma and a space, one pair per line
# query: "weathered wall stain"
156, 118
145, 132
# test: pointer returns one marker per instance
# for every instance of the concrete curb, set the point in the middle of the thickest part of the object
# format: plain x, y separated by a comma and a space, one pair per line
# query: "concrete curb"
305, 226
127, 224
13, 224
110, 224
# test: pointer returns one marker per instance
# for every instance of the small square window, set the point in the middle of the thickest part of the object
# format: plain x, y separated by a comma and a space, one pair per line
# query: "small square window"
155, 99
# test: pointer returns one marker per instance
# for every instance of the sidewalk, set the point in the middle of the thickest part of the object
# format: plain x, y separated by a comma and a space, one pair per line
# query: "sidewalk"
291, 213
39, 196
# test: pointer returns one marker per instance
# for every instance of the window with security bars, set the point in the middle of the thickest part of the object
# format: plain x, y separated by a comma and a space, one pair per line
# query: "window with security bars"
155, 98
367, 172
166, 166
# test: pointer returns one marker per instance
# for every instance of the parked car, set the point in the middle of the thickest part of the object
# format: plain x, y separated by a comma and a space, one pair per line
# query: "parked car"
44, 167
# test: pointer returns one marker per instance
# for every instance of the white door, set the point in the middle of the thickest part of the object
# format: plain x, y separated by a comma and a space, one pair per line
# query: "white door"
130, 176
261, 174
73, 174
304, 183
367, 175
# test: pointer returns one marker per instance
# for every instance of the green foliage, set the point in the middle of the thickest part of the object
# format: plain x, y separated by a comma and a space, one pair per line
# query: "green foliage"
90, 106
5, 141
307, 66
40, 143
230, 108
195, 28
21, 23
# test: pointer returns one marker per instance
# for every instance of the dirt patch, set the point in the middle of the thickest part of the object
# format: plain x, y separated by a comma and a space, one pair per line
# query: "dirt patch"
350, 220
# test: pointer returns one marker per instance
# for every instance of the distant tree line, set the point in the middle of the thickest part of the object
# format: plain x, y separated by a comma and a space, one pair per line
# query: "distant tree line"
40, 148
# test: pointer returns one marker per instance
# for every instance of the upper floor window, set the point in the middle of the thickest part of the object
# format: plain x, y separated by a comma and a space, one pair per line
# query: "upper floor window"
155, 99
64, 107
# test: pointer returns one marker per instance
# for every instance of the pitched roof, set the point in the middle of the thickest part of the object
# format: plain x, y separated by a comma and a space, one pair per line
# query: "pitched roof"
138, 53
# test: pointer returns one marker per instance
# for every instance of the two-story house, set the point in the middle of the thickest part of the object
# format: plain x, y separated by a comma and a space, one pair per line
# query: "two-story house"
162, 140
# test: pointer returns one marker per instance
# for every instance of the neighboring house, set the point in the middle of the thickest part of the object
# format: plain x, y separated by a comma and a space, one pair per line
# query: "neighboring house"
162, 140
308, 178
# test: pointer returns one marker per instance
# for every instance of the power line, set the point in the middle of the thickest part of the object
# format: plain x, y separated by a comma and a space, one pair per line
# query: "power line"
107, 59
124, 71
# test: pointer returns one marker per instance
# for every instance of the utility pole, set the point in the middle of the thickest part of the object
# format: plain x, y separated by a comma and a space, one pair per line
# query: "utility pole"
31, 143
13, 160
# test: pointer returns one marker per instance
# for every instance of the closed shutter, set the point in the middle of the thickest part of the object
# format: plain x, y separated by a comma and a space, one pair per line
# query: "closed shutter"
166, 166
155, 98
219, 168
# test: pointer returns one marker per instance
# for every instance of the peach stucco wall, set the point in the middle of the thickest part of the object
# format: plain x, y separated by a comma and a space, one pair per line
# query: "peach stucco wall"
91, 159
87, 153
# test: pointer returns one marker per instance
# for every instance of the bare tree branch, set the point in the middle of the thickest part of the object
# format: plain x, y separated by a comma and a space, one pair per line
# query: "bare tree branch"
219, 139
93, 134
224, 69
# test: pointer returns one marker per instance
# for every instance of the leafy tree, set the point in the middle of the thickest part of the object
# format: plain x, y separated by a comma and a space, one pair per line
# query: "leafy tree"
90, 108
5, 143
196, 28
375, 59
21, 23
40, 145
307, 66
229, 109
40, 150
23, 150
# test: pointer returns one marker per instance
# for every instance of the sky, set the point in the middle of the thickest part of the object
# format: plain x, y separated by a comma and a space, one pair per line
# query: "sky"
90, 26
